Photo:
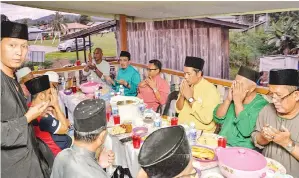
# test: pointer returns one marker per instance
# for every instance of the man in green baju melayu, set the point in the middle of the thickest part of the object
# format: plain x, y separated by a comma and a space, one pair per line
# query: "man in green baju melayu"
239, 112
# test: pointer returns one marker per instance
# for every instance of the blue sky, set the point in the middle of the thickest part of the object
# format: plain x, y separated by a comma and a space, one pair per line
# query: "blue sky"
14, 12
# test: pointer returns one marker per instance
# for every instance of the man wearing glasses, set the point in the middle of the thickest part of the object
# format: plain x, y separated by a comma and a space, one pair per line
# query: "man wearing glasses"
277, 127
166, 153
154, 90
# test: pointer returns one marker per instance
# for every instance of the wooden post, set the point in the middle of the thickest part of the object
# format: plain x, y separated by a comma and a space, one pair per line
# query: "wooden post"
89, 44
77, 53
84, 49
123, 32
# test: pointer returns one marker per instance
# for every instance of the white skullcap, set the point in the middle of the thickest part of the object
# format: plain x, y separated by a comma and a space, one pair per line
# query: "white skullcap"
22, 73
53, 76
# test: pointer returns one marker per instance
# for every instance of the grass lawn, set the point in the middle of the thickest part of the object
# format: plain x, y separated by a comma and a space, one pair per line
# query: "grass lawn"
45, 43
107, 42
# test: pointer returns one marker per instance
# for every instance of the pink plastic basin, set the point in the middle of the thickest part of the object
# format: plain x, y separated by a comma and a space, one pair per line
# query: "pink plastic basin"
89, 87
238, 162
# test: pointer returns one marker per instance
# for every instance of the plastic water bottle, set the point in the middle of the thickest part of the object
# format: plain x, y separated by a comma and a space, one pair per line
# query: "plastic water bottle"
158, 120
122, 90
141, 107
192, 134
114, 109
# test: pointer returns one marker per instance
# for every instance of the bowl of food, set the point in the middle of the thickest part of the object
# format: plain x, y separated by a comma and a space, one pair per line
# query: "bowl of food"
203, 154
68, 91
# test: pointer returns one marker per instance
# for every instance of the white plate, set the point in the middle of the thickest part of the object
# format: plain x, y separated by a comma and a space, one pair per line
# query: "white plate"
209, 135
280, 168
212, 175
115, 99
110, 131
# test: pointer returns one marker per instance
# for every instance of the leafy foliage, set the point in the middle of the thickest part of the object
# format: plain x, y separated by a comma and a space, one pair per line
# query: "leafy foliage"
278, 15
58, 23
246, 48
284, 34
84, 19
46, 64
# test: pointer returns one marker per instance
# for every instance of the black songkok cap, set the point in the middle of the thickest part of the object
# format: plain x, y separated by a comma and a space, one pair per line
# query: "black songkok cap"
38, 84
14, 30
284, 77
249, 74
90, 115
194, 62
165, 153
125, 54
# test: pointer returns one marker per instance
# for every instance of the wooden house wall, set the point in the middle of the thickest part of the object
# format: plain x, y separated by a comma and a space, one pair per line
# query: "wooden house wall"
172, 41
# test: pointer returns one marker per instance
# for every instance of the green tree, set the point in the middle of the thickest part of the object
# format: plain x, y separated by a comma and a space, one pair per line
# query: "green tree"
284, 34
58, 24
278, 15
84, 19
247, 47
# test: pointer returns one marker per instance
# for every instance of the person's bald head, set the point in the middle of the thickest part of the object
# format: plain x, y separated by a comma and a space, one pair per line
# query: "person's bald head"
98, 54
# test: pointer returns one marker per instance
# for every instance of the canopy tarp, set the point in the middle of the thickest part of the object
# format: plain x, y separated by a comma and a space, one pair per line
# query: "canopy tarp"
162, 10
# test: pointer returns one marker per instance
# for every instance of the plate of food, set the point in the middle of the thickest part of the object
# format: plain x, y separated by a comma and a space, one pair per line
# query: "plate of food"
275, 166
120, 129
127, 126
203, 154
208, 139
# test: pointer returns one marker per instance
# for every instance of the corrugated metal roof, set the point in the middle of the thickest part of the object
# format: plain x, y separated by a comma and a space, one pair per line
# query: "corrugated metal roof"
224, 23
34, 30
76, 26
89, 31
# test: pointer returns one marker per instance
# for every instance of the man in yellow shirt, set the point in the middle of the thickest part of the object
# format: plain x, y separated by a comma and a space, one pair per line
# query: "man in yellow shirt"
198, 97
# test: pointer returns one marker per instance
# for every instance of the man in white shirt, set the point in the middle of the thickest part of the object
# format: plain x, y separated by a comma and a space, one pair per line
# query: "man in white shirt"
97, 68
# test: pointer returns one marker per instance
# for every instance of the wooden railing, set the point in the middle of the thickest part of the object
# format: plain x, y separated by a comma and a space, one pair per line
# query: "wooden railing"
172, 76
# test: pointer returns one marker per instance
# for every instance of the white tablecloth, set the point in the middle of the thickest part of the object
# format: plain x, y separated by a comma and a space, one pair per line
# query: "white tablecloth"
125, 155
70, 102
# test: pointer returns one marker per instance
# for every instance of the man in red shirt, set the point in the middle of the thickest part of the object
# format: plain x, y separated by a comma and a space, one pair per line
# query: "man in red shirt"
52, 126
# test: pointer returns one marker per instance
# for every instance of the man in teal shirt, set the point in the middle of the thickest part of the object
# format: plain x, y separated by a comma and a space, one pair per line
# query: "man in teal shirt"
127, 75
239, 112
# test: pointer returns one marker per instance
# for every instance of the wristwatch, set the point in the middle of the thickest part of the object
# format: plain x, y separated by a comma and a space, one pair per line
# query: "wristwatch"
191, 100
94, 69
155, 90
290, 147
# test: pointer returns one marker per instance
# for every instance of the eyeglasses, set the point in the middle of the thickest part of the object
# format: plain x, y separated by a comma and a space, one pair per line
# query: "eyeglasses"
151, 69
271, 96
